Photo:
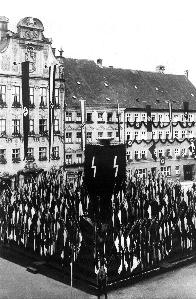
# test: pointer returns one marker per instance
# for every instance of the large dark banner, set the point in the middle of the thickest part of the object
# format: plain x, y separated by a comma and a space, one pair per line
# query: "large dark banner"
52, 71
25, 102
104, 170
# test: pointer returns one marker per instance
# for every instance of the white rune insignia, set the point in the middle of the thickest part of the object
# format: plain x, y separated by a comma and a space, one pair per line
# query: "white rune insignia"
93, 166
115, 166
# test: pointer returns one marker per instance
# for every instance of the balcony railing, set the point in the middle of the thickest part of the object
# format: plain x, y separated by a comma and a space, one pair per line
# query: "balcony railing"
3, 160
16, 160
16, 105
43, 158
3, 104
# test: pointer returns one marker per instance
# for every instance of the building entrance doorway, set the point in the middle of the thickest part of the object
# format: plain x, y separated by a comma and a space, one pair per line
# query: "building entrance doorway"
188, 172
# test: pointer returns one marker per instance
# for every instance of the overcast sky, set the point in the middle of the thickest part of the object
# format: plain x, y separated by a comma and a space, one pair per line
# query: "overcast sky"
134, 34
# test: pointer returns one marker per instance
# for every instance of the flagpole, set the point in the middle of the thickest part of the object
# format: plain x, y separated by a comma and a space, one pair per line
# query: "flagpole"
118, 112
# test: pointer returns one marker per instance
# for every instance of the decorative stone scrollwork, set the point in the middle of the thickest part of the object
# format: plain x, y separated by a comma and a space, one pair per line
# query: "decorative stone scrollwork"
30, 56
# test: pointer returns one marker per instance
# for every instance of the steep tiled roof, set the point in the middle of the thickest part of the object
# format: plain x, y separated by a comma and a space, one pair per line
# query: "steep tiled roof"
102, 87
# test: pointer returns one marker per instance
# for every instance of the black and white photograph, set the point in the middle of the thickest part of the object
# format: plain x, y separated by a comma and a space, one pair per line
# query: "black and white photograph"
98, 149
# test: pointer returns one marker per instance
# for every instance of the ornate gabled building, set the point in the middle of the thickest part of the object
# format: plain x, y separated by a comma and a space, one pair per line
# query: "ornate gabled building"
29, 44
161, 144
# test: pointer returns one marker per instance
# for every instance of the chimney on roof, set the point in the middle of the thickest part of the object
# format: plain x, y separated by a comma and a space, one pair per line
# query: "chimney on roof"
3, 27
99, 62
160, 69
187, 73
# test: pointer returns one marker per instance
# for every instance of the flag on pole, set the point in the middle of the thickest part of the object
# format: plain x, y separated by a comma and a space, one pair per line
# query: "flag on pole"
186, 109
152, 151
149, 118
25, 102
170, 119
83, 126
52, 71
118, 117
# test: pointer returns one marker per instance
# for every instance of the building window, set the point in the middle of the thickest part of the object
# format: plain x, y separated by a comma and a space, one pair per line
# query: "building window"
153, 117
68, 137
56, 126
176, 151
31, 127
166, 170
177, 169
136, 134
2, 126
68, 159
137, 155
100, 116
143, 154
136, 117
55, 153
43, 96
160, 117
167, 134
79, 158
160, 134
89, 117
168, 153
142, 172
56, 100
43, 153
153, 135
160, 153
78, 136
100, 134
182, 118
89, 136
128, 117
143, 135
109, 134
109, 117
78, 117
183, 134
31, 97
143, 116
43, 126
16, 97
2, 94
68, 116
16, 155
117, 134
128, 136
190, 117
128, 155
15, 127
176, 134
30, 154
3, 156
183, 152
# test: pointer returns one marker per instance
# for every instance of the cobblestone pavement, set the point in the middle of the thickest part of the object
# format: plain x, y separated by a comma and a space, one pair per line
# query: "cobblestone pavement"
17, 283
177, 284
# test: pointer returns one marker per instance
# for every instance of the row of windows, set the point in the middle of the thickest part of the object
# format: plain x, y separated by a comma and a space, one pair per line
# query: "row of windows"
138, 135
142, 154
16, 154
162, 117
16, 126
101, 116
69, 136
165, 170
16, 95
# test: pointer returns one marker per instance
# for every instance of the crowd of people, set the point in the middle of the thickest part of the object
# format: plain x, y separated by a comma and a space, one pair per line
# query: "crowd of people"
152, 219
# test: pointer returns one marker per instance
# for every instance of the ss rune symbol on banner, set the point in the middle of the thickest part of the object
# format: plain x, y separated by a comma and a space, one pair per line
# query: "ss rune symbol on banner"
25, 111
